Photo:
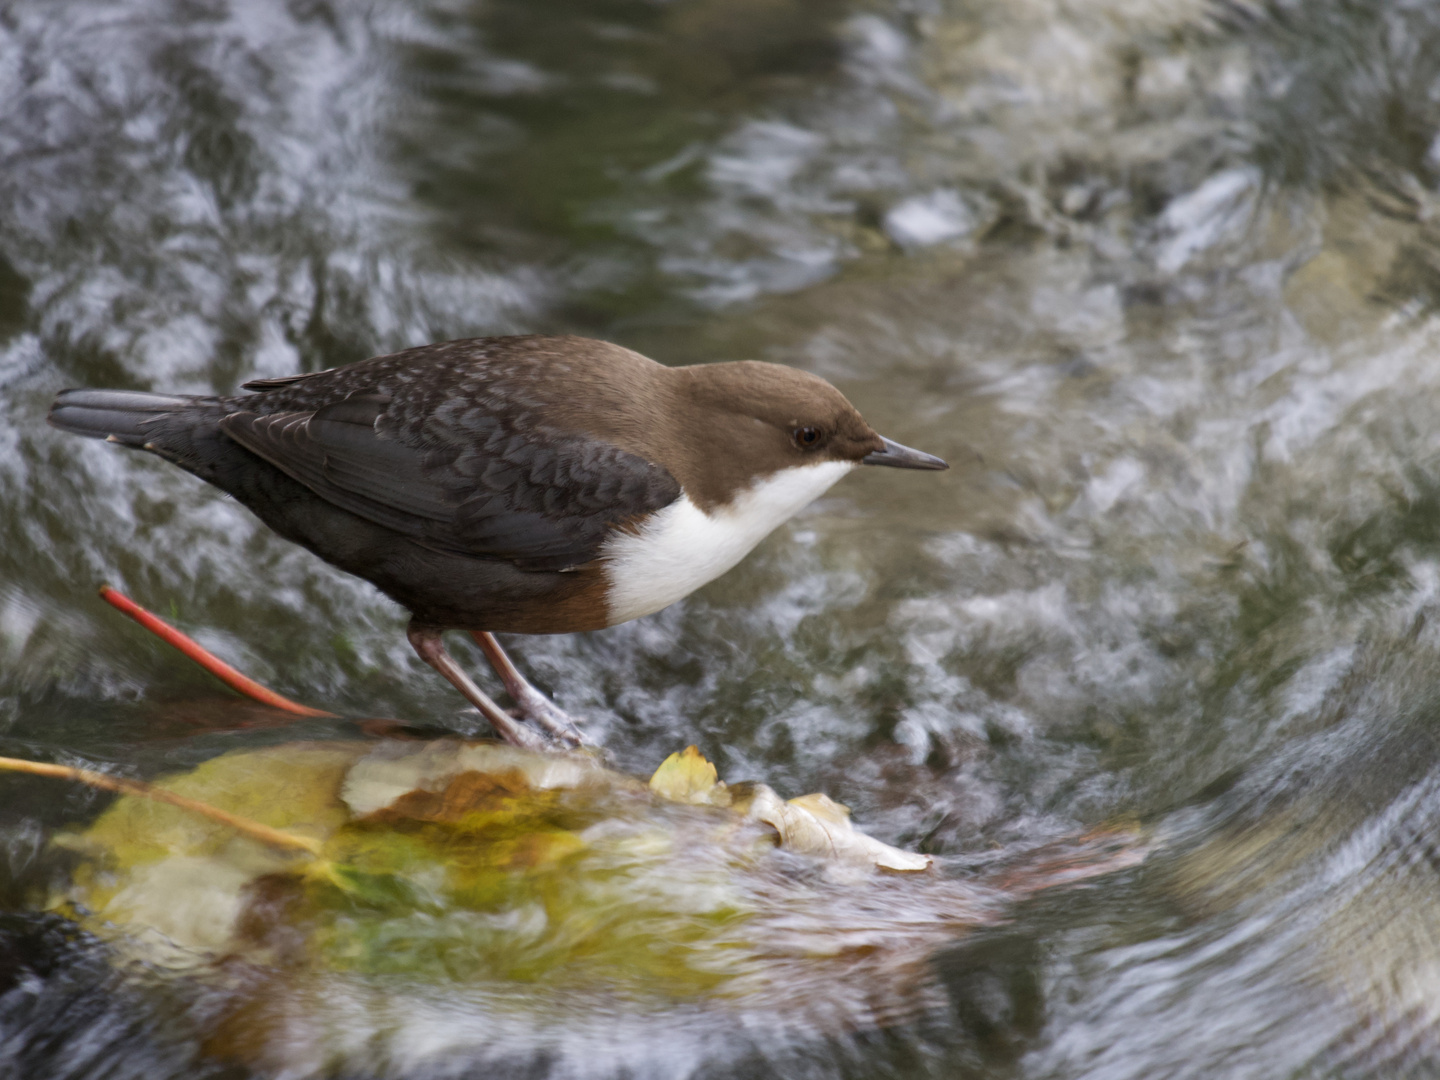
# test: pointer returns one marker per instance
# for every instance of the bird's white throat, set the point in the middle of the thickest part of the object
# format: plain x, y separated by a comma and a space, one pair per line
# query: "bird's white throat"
681, 547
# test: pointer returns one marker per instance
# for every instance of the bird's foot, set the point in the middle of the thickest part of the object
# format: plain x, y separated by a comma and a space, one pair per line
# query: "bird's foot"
426, 642
555, 721
533, 705
530, 703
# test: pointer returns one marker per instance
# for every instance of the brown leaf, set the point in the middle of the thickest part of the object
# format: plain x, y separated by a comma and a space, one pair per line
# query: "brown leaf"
466, 793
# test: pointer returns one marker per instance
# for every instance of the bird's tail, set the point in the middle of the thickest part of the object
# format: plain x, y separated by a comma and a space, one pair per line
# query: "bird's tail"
122, 416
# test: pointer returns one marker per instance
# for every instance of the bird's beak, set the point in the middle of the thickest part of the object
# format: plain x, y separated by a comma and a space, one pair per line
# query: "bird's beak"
902, 457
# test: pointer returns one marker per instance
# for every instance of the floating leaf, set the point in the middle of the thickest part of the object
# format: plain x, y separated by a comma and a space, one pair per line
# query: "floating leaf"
688, 777
817, 825
809, 824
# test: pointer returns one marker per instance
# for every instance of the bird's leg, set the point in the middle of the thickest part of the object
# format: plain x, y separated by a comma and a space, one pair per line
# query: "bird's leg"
532, 703
426, 640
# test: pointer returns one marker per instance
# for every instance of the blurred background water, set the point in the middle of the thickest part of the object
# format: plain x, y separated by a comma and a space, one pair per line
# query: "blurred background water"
1160, 278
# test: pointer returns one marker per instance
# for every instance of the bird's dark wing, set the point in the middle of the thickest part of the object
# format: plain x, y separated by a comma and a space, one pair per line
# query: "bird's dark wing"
279, 381
535, 498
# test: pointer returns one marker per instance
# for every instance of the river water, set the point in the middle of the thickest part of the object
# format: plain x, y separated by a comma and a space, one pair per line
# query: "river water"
1160, 279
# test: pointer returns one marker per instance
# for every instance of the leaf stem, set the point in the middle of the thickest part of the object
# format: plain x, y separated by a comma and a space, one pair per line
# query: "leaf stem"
253, 829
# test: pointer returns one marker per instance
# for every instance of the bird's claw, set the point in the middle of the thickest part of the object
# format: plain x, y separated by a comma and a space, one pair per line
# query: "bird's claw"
562, 729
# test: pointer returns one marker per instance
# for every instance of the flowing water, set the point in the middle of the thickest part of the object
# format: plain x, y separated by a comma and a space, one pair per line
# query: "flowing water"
1160, 278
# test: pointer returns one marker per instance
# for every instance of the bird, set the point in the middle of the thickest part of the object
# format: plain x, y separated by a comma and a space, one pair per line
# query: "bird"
523, 485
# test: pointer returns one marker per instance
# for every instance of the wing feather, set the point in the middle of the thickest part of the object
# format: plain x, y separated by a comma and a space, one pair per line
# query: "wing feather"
538, 499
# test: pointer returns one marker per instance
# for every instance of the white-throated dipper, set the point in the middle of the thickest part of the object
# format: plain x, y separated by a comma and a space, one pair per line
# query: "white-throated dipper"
528, 485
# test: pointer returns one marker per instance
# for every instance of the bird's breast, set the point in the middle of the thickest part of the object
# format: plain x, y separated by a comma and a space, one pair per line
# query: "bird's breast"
681, 547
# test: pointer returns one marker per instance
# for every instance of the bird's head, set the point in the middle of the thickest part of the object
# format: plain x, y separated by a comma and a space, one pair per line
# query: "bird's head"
746, 421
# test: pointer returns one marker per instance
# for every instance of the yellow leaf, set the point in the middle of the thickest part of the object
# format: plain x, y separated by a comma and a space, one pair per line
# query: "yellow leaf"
689, 778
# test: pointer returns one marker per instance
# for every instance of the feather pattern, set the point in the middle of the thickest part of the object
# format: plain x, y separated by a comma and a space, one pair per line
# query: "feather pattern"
469, 473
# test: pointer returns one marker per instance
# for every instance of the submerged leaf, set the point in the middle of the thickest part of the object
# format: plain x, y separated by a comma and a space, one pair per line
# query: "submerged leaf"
180, 876
518, 888
394, 769
466, 793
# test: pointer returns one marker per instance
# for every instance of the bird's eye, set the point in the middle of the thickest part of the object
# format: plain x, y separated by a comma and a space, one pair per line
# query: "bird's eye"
806, 437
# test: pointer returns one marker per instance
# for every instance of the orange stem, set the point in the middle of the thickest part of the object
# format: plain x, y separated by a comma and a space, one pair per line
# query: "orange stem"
202, 656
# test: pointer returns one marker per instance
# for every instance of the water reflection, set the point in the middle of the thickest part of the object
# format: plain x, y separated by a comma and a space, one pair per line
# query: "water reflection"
1159, 278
